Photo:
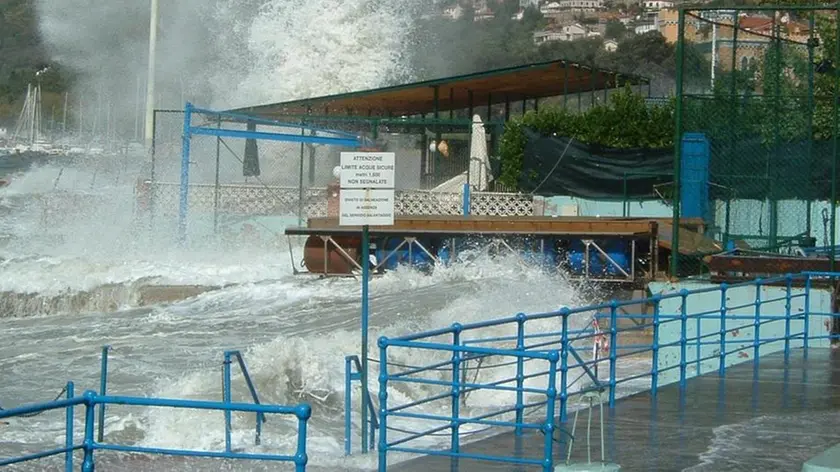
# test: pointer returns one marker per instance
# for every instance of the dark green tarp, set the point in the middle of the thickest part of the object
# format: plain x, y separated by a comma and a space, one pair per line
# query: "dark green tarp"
590, 171
744, 169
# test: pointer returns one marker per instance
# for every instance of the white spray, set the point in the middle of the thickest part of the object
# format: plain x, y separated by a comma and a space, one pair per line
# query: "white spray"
228, 53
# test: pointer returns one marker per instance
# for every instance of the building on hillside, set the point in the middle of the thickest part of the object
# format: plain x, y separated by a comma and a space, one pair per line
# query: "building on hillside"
551, 9
656, 5
755, 35
610, 45
485, 14
646, 26
529, 3
454, 12
581, 5
570, 32
668, 25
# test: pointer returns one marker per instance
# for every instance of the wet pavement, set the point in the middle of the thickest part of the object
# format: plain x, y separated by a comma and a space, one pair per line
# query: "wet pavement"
769, 417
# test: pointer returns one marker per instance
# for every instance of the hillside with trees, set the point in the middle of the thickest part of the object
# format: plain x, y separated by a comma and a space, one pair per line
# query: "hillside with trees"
442, 47
22, 54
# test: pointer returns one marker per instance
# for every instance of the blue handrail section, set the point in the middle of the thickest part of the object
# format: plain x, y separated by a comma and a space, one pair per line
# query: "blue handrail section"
91, 399
68, 449
351, 375
226, 395
544, 361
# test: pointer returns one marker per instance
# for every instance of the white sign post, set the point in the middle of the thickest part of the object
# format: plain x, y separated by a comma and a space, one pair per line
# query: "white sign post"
366, 199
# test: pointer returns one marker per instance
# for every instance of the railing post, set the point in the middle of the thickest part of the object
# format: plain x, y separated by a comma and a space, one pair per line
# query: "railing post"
88, 444
564, 364
303, 413
520, 372
260, 416
383, 403
654, 369
226, 398
103, 386
807, 311
757, 322
185, 174
683, 335
788, 284
548, 428
467, 197
68, 431
613, 348
348, 405
722, 365
455, 439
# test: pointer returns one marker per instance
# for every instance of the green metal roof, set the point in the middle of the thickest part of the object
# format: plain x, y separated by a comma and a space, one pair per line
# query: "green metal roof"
538, 80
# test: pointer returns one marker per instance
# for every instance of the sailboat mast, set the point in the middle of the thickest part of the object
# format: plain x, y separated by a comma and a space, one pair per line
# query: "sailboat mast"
32, 116
64, 116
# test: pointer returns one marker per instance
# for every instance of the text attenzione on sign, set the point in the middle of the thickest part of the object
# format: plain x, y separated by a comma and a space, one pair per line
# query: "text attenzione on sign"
367, 170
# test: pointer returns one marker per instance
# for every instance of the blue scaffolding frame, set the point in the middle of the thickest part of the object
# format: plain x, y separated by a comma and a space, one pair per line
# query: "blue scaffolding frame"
340, 138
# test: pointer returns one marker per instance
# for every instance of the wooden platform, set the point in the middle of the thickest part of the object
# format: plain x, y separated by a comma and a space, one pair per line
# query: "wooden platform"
692, 240
774, 418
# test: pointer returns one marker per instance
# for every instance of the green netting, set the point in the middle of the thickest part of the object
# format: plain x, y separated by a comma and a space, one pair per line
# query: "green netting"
764, 95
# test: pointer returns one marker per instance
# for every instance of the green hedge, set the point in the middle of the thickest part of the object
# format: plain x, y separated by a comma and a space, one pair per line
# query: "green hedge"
625, 122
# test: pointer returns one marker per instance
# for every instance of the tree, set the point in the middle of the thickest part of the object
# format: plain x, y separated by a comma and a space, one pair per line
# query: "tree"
615, 30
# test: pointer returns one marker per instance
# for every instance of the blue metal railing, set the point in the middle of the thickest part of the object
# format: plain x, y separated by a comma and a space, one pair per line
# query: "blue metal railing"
68, 448
226, 395
103, 387
91, 399
351, 375
545, 361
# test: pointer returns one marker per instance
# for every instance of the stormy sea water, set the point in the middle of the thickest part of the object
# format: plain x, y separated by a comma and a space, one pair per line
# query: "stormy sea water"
79, 269
77, 272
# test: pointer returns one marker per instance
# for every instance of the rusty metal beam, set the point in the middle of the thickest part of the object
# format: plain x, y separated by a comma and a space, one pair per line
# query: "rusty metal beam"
765, 265
506, 225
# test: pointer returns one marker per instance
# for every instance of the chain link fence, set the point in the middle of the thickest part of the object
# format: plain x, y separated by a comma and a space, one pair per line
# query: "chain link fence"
232, 181
758, 86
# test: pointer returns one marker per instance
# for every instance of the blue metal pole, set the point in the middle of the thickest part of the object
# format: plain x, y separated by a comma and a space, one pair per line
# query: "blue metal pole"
613, 349
697, 347
103, 386
788, 283
348, 405
548, 429
757, 322
722, 365
654, 371
304, 412
520, 373
383, 404
68, 431
226, 399
683, 335
365, 314
564, 364
88, 445
455, 443
185, 174
807, 311
467, 197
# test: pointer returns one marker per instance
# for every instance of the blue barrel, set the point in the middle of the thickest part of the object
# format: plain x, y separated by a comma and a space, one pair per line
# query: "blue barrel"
618, 250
